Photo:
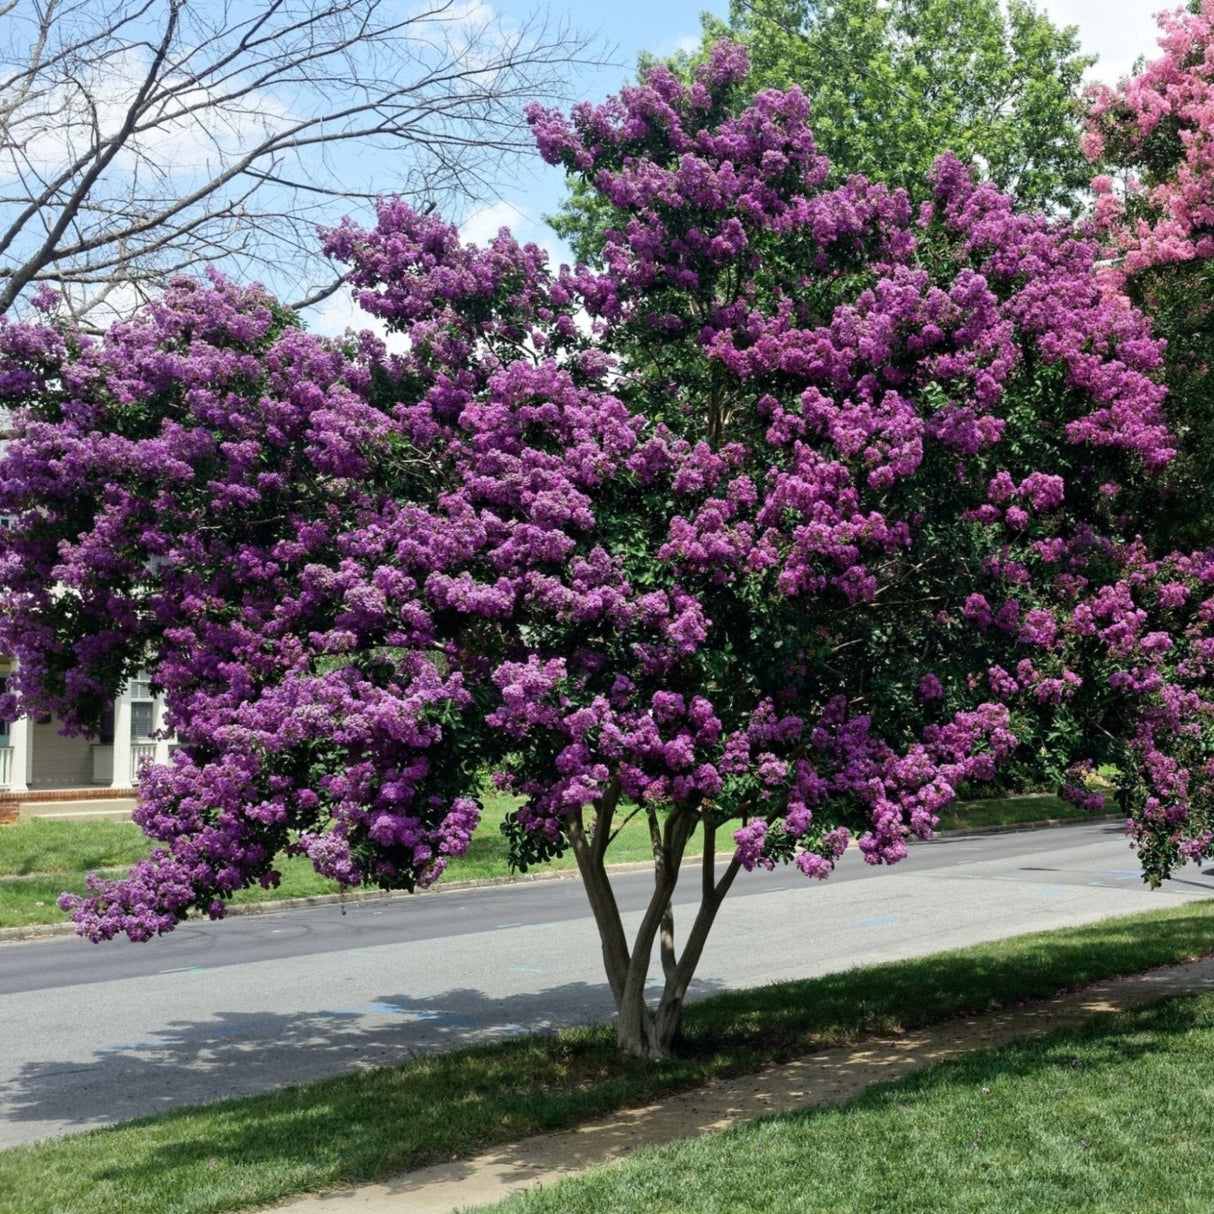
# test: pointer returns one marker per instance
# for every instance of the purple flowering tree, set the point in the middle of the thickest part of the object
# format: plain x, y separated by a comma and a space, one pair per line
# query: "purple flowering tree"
799, 516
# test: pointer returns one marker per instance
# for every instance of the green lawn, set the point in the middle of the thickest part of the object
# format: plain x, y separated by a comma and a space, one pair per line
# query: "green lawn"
68, 847
41, 859
236, 1154
1009, 811
487, 854
1111, 1117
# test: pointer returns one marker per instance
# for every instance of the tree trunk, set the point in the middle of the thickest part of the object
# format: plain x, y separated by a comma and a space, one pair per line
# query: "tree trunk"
646, 1031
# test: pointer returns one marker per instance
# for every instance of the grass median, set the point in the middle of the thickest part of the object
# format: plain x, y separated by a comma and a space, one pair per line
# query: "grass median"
41, 859
1108, 1117
237, 1154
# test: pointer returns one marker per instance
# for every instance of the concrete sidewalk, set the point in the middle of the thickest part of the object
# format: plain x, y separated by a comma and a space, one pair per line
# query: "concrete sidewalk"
826, 1077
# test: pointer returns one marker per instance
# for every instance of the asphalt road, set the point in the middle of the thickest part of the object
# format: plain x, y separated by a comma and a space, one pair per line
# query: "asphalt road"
96, 1034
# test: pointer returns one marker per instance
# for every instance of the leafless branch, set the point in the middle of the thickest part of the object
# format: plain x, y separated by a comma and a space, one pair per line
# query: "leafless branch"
142, 137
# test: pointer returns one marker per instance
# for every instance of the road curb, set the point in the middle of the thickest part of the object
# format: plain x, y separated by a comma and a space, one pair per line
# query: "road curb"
44, 931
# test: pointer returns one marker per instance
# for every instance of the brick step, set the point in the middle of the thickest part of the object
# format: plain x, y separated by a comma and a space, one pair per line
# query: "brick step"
66, 794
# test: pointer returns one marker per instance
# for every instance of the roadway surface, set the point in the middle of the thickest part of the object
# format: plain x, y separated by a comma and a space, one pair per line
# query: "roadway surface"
93, 1034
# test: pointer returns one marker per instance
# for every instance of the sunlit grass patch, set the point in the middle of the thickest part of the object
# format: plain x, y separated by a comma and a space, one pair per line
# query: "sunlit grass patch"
1107, 1117
1010, 811
50, 846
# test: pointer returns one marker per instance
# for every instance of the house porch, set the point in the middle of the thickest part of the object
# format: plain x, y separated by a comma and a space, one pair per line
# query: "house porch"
42, 767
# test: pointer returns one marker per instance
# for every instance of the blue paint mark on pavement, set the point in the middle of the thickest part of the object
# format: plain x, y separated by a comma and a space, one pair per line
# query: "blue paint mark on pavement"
880, 921
380, 1008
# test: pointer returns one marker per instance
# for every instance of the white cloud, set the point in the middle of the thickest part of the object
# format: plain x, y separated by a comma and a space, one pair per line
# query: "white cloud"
482, 224
340, 314
464, 12
469, 32
1116, 30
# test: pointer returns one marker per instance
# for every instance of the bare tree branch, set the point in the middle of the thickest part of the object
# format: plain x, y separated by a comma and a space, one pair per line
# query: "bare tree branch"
142, 137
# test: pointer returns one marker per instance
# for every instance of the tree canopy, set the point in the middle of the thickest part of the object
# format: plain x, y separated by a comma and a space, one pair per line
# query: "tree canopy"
893, 85
802, 514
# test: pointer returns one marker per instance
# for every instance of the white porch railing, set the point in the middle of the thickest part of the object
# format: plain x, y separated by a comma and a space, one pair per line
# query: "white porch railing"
141, 751
6, 767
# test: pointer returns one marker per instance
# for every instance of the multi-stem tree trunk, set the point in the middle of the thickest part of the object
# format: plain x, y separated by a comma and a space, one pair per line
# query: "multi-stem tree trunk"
646, 1030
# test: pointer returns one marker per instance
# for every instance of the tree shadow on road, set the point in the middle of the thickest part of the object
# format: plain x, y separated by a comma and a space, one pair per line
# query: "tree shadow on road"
187, 1062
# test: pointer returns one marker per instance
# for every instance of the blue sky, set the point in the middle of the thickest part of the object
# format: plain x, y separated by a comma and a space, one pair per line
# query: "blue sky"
624, 29
1116, 30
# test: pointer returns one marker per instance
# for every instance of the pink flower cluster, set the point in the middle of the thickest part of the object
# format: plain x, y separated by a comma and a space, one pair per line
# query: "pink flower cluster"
1160, 121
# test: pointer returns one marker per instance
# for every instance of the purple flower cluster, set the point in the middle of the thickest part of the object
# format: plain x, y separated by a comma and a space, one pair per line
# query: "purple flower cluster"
653, 528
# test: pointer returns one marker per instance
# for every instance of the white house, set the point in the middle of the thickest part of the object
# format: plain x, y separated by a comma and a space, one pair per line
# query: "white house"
39, 764
35, 757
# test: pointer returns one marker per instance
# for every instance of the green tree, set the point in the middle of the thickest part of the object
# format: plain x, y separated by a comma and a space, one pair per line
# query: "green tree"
894, 83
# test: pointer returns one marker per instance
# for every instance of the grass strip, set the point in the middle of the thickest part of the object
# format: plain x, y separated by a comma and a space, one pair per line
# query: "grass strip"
236, 1154
1107, 1117
41, 859
1009, 811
